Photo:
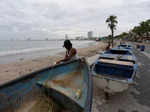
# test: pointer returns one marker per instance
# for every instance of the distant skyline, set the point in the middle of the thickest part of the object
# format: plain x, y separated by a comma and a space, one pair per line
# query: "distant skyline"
40, 19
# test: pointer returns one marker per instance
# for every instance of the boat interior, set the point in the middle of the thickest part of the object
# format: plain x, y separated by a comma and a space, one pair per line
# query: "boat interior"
57, 89
115, 68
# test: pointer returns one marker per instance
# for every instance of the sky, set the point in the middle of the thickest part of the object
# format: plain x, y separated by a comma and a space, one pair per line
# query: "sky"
39, 19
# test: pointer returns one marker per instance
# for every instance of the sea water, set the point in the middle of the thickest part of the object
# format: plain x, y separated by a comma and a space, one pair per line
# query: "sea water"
13, 50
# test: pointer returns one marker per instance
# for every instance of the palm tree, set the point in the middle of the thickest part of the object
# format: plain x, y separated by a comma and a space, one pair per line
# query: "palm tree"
148, 28
145, 26
112, 23
142, 30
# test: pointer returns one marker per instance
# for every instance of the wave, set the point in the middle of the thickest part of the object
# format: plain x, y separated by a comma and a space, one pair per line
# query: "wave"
22, 51
77, 44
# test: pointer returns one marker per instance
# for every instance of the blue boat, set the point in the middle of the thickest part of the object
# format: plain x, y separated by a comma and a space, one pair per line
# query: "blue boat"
114, 70
125, 46
142, 47
121, 53
68, 84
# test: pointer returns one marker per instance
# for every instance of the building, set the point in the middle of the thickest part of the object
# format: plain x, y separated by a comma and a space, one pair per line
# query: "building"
90, 34
80, 38
66, 36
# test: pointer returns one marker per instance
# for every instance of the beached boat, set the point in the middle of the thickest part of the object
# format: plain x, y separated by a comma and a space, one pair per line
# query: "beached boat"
125, 46
68, 85
114, 70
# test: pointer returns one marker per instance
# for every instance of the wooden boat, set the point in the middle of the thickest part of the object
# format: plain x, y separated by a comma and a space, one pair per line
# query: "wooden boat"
125, 46
114, 70
142, 47
68, 84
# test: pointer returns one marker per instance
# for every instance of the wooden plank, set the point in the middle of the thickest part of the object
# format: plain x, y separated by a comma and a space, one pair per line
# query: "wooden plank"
116, 62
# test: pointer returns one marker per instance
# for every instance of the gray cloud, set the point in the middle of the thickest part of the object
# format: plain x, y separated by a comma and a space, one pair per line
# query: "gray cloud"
55, 18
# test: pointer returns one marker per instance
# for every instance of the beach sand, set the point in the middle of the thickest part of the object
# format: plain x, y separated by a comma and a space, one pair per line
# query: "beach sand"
121, 102
14, 70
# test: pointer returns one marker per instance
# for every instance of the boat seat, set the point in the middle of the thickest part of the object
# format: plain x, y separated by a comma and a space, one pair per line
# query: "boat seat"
116, 62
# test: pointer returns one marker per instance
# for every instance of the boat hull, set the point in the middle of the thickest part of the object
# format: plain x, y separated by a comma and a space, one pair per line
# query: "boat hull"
114, 70
20, 94
109, 85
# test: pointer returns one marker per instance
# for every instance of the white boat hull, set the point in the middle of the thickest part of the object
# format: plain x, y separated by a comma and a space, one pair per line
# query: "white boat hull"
109, 85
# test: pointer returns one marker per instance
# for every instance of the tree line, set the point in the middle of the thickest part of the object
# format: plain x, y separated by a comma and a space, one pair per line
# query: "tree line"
138, 33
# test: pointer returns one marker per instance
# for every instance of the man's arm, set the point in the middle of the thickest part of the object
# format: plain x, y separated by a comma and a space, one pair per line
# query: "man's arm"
71, 54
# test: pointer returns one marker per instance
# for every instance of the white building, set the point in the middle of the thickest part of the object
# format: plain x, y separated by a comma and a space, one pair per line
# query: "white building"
66, 36
90, 34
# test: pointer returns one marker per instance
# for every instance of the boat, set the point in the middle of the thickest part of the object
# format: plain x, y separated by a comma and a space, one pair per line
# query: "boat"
125, 46
68, 84
142, 47
114, 71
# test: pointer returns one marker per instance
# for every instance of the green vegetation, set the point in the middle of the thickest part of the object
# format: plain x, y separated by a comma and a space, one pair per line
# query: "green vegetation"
138, 33
112, 23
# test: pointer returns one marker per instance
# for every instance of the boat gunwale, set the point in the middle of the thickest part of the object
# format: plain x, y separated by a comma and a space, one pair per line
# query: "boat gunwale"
114, 79
108, 78
33, 74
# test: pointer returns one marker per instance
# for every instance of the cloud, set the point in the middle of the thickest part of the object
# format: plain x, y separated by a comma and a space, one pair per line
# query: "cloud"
55, 18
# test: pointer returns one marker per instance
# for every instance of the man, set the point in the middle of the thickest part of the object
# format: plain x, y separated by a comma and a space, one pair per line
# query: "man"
108, 46
70, 52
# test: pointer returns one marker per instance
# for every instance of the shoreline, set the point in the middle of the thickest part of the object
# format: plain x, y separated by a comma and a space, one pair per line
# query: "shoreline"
37, 51
19, 68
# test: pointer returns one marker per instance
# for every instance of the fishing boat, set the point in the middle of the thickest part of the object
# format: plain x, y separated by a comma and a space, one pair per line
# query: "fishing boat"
114, 71
125, 46
69, 85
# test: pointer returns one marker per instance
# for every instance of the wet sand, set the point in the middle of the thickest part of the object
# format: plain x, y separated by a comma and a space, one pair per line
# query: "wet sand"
13, 70
120, 102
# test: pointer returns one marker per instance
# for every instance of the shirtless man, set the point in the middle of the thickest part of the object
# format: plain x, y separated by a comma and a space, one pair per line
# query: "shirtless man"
70, 52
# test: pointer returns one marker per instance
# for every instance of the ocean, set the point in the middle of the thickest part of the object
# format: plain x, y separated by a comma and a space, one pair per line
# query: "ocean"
14, 50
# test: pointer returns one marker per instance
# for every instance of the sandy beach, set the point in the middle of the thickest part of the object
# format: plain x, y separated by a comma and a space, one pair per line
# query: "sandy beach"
16, 69
127, 101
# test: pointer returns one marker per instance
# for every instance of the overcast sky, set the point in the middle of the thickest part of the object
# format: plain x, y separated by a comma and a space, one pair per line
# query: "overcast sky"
55, 18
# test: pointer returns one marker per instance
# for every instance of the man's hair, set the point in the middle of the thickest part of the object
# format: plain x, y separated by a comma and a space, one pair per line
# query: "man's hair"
67, 43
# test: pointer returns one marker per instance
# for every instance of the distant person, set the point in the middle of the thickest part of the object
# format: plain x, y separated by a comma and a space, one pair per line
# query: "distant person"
108, 46
121, 42
70, 52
